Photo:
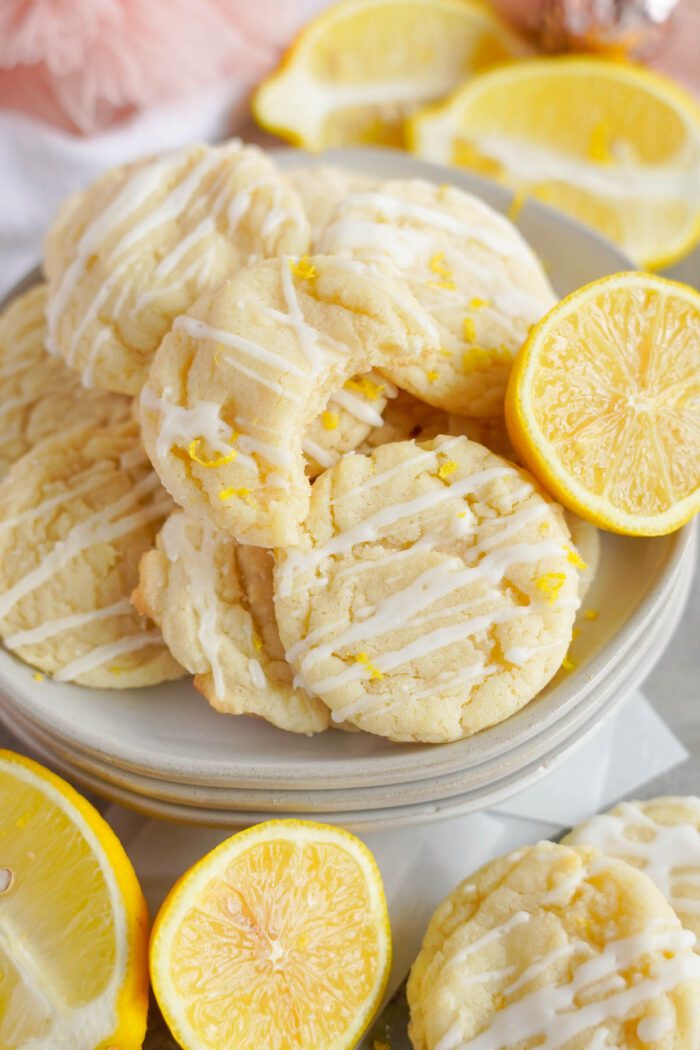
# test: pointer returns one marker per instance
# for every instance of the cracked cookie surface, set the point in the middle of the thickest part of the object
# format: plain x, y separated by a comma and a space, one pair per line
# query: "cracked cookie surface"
433, 591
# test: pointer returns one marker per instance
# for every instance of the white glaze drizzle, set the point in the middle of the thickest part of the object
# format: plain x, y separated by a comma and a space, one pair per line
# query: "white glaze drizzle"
297, 562
257, 675
551, 1014
101, 527
671, 849
50, 628
102, 653
325, 457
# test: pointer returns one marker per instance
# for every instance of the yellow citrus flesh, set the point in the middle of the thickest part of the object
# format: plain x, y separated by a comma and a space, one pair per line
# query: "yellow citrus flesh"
612, 144
279, 939
603, 403
357, 69
73, 921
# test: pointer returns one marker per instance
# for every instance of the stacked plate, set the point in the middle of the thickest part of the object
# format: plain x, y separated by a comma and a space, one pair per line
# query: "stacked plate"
165, 752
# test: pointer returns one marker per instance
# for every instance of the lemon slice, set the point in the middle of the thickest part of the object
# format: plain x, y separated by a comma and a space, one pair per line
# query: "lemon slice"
603, 403
357, 69
73, 921
608, 142
278, 938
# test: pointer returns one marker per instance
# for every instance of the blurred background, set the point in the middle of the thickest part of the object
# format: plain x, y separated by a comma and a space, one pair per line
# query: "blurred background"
87, 84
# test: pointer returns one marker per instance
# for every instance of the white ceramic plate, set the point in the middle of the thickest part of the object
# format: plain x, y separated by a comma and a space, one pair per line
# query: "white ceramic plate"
170, 733
347, 805
152, 799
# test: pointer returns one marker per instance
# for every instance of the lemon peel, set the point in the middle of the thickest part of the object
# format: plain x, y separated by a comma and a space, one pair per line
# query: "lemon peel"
447, 468
330, 420
218, 461
374, 672
303, 268
551, 584
363, 385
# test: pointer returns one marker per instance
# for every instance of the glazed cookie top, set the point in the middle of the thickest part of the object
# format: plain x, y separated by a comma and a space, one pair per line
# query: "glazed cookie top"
212, 599
320, 187
661, 837
351, 416
77, 513
241, 376
555, 948
471, 270
432, 592
137, 248
39, 396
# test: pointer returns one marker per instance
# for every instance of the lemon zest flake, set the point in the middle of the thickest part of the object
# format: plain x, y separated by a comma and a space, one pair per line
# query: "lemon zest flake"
38, 676
591, 614
469, 330
218, 461
447, 468
551, 584
448, 285
257, 642
303, 268
444, 352
330, 420
568, 664
517, 203
242, 493
478, 304
575, 558
363, 385
374, 672
432, 375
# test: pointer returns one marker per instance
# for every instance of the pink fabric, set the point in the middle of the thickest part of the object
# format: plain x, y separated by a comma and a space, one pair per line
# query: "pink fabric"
83, 63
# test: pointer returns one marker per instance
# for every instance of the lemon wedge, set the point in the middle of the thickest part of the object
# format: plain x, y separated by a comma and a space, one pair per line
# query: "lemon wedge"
73, 921
603, 403
277, 938
612, 144
357, 69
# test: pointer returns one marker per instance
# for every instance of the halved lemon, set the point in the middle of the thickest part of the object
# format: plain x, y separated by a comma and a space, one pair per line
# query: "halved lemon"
277, 939
603, 403
608, 142
357, 69
73, 921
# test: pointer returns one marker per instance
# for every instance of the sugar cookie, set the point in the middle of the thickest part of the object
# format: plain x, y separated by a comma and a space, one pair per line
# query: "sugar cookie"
136, 249
241, 376
661, 837
432, 593
555, 948
76, 514
39, 396
320, 187
406, 418
471, 270
212, 599
351, 416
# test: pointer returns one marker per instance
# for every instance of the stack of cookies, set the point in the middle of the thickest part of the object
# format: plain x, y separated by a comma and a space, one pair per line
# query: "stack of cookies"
254, 432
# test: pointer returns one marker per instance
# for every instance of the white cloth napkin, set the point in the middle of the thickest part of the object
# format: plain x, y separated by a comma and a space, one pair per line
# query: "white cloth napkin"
421, 864
41, 165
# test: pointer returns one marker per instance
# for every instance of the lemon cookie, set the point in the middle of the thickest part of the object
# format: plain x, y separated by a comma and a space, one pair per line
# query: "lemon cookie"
76, 514
320, 187
406, 418
432, 592
662, 838
212, 599
555, 948
137, 248
350, 416
471, 270
242, 375
38, 395
586, 539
